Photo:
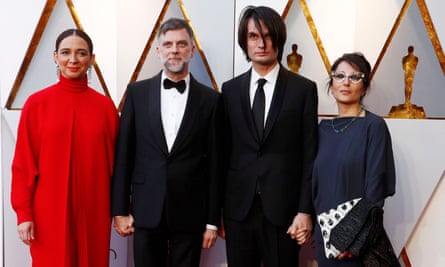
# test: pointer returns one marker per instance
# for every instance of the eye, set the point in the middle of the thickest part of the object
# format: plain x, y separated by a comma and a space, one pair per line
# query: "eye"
267, 37
252, 36
167, 44
356, 77
182, 44
83, 53
339, 76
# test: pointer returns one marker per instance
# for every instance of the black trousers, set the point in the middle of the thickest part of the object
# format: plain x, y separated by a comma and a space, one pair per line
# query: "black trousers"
256, 241
160, 247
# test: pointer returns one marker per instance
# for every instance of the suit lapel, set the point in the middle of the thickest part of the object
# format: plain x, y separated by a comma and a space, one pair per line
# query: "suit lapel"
154, 113
277, 101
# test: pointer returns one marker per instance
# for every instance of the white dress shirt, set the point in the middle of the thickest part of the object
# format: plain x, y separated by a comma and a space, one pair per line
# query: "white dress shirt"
172, 109
269, 87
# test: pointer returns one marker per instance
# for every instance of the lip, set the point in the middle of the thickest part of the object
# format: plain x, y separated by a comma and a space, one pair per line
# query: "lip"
73, 69
261, 54
345, 92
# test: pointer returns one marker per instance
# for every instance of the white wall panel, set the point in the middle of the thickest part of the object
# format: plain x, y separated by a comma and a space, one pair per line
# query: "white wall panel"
426, 243
16, 253
98, 19
418, 152
18, 20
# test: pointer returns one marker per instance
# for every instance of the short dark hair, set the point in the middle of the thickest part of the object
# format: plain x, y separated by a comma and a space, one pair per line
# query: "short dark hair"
270, 19
175, 24
358, 61
75, 32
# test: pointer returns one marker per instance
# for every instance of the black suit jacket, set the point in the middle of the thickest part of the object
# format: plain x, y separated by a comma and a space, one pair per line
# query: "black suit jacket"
148, 180
281, 163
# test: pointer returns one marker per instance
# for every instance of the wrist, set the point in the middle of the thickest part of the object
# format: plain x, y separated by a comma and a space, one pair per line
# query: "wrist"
211, 227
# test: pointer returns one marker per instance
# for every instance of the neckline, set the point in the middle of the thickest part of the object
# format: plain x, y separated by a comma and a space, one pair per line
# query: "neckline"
74, 86
346, 126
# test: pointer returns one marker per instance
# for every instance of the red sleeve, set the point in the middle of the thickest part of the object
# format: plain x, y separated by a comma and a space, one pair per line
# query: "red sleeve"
24, 165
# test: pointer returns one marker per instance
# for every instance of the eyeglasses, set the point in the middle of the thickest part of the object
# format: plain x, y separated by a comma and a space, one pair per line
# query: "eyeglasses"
355, 77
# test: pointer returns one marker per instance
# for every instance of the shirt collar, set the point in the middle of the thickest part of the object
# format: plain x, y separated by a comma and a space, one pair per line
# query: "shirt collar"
270, 77
186, 79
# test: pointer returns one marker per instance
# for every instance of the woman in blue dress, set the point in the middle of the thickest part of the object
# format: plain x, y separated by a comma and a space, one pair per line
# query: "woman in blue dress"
354, 161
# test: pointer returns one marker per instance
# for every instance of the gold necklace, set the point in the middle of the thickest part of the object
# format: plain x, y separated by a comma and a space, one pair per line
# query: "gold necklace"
337, 131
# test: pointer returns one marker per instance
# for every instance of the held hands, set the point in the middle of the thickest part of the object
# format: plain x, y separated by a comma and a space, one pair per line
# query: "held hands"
209, 238
26, 232
345, 254
124, 225
301, 228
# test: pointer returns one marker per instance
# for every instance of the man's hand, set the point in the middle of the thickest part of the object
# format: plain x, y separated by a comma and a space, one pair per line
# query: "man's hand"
124, 225
345, 254
26, 232
301, 228
209, 238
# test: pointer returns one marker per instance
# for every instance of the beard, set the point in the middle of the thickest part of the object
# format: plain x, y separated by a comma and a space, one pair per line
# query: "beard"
177, 67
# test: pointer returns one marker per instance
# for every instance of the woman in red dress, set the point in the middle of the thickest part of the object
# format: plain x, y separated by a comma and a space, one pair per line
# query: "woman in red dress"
63, 163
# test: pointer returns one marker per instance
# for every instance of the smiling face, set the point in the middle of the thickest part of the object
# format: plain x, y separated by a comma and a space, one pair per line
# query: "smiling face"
73, 57
175, 51
349, 90
260, 49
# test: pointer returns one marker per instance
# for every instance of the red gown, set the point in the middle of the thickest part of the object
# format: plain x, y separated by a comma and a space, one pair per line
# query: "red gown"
61, 174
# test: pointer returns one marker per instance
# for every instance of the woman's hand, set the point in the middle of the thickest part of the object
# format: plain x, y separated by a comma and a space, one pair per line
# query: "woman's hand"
345, 254
26, 232
301, 228
124, 225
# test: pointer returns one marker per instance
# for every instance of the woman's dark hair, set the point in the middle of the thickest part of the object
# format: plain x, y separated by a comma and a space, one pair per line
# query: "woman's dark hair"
356, 60
75, 32
270, 19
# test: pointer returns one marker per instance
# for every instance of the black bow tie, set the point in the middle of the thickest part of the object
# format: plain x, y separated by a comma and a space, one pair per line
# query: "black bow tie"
180, 86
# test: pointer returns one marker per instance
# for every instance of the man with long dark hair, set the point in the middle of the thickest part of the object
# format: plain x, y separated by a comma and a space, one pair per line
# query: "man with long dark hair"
270, 136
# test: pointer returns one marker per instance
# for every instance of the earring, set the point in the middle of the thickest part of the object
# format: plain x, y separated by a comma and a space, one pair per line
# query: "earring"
57, 72
89, 74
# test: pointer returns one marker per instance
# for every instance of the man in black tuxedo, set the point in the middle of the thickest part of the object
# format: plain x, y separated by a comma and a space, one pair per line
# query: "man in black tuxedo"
270, 117
164, 188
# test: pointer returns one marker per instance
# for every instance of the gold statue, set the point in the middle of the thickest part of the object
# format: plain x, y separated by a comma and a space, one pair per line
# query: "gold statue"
294, 59
409, 63
408, 110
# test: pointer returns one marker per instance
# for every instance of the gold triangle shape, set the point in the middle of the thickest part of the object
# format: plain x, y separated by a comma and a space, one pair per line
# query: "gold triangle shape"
151, 39
319, 43
315, 35
35, 40
393, 31
432, 33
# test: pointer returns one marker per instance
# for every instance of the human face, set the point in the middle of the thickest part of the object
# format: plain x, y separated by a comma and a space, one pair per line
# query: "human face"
175, 49
73, 57
260, 50
346, 92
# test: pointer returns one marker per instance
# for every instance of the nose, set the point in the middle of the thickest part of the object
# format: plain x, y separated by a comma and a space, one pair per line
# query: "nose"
260, 42
73, 57
174, 48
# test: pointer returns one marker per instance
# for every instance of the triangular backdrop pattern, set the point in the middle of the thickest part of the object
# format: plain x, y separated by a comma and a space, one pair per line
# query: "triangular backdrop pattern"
40, 54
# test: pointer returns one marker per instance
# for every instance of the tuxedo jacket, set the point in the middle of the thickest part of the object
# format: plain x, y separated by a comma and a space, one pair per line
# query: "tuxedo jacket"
279, 165
149, 181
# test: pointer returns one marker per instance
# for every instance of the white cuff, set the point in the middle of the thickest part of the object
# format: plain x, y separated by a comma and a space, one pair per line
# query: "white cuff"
211, 227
